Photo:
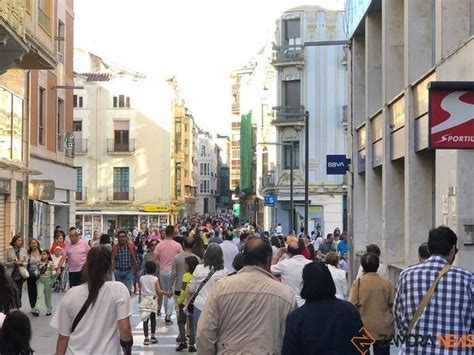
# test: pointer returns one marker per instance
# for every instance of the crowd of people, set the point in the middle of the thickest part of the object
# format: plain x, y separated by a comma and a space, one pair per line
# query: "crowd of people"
235, 289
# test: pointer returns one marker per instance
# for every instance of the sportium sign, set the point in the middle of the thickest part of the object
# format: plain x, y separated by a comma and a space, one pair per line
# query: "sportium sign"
451, 114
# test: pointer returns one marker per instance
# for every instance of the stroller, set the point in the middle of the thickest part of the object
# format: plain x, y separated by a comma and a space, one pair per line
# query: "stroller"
60, 285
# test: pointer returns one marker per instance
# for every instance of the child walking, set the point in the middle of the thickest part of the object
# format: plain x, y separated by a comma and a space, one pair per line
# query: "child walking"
46, 274
190, 264
150, 288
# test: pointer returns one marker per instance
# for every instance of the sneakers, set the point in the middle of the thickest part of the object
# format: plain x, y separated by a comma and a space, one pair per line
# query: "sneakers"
192, 349
48, 313
181, 347
36, 313
146, 341
168, 321
153, 340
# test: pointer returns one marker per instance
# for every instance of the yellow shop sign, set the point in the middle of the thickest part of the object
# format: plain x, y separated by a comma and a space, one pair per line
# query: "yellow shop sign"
156, 208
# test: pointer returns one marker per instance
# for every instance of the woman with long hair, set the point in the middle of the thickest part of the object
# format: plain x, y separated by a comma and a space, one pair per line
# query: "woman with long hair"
34, 259
16, 258
9, 296
106, 309
324, 324
15, 335
198, 248
204, 277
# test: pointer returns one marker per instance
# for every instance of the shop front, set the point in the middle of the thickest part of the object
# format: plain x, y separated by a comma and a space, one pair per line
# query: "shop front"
109, 222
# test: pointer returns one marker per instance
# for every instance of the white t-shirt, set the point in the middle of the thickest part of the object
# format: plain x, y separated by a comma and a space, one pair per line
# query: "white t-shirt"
97, 332
291, 272
278, 229
317, 243
340, 281
148, 285
199, 275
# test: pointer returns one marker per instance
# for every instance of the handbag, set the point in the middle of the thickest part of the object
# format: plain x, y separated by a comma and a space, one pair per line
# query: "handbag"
426, 299
23, 272
190, 305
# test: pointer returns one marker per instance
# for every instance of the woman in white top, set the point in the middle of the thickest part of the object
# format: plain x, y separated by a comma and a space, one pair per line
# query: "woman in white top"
338, 276
213, 262
105, 326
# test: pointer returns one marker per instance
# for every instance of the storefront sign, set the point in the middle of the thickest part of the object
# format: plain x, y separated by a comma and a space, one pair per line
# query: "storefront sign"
41, 190
336, 165
270, 200
156, 208
451, 115
69, 145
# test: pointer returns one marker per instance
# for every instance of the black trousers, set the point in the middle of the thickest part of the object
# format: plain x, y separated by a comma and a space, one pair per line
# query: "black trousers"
152, 320
19, 284
75, 278
381, 347
32, 290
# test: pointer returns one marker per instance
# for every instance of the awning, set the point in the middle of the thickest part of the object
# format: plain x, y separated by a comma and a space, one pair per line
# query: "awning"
55, 203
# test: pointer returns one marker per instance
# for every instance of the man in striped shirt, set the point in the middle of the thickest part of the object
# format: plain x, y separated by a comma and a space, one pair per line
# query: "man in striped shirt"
450, 309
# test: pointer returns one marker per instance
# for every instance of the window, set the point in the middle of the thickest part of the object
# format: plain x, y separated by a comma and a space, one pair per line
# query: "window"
204, 187
292, 32
292, 93
204, 169
203, 151
11, 125
121, 183
121, 101
177, 136
44, 14
79, 196
177, 171
77, 101
77, 126
287, 156
41, 116
61, 41
60, 126
121, 136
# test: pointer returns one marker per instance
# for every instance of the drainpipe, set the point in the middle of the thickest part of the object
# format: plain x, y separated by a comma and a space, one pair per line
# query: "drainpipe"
26, 154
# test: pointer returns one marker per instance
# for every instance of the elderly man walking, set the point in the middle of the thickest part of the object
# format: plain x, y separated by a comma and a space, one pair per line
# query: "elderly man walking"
246, 313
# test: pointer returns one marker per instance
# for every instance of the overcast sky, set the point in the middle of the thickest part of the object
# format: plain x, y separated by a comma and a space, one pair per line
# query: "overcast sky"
200, 42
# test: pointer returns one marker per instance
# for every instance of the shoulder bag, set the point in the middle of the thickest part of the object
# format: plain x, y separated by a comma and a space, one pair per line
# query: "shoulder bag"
80, 315
426, 299
21, 269
190, 304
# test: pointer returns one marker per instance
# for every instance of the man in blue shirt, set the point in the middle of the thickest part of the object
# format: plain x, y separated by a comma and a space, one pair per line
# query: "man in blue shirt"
342, 246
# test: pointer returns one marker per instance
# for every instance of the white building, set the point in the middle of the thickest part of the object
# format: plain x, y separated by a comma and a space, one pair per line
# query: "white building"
309, 79
121, 129
209, 160
402, 188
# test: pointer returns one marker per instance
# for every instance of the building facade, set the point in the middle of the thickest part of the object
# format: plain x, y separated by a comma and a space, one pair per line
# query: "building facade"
309, 79
184, 154
52, 190
122, 148
209, 163
400, 187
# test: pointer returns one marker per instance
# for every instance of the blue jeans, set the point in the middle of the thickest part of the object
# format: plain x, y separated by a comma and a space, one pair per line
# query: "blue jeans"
165, 277
196, 315
125, 277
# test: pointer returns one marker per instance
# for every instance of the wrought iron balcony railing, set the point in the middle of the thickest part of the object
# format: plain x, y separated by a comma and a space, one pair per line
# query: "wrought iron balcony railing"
288, 55
118, 194
289, 116
80, 146
120, 146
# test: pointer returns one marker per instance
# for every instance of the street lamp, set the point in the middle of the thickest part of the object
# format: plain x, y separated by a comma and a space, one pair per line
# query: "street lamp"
292, 208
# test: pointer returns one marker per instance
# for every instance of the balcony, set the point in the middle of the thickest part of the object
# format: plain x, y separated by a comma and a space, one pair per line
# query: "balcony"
12, 31
80, 146
289, 116
291, 55
119, 195
82, 194
236, 108
120, 146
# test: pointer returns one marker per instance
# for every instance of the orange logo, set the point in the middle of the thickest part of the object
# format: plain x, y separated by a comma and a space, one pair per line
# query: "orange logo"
364, 341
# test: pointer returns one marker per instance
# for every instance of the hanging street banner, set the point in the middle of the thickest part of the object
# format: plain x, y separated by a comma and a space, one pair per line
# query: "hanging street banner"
451, 114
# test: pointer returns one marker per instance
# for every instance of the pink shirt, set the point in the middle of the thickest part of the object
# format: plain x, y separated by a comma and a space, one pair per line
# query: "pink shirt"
166, 250
77, 255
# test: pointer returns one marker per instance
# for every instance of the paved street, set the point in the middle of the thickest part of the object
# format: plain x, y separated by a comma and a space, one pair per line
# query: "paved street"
44, 337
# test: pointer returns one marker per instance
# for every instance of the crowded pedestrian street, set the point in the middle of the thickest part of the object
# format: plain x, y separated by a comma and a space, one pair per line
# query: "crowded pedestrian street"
271, 177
